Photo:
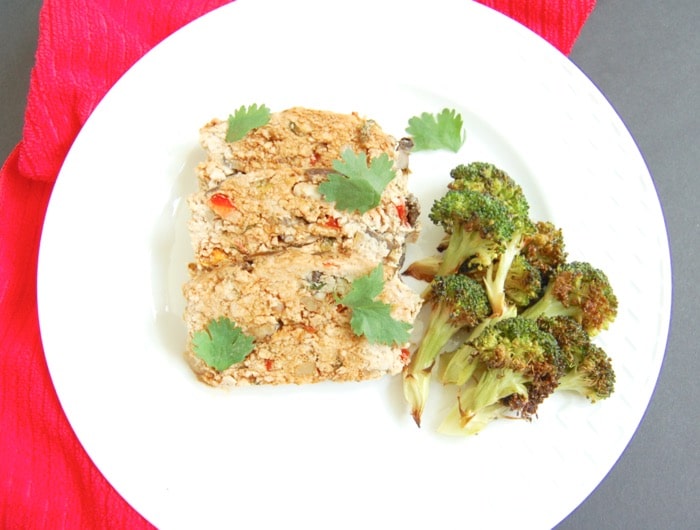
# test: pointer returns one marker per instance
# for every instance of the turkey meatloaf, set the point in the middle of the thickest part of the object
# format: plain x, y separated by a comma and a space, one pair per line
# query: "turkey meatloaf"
274, 256
294, 138
287, 303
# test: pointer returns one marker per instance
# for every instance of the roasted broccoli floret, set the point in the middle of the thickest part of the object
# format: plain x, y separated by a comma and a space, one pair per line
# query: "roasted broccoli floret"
512, 365
544, 248
482, 231
573, 340
487, 179
523, 283
588, 369
478, 227
455, 302
522, 286
537, 312
593, 377
579, 290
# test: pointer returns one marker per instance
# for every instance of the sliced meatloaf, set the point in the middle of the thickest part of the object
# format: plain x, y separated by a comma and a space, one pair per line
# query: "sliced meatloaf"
287, 302
273, 255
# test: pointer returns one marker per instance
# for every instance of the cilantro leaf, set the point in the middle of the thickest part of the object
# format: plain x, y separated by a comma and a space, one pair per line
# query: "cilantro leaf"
372, 318
365, 287
245, 120
222, 344
357, 185
442, 131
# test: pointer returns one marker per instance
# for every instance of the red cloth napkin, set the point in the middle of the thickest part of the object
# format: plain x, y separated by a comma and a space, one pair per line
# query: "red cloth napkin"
46, 478
557, 21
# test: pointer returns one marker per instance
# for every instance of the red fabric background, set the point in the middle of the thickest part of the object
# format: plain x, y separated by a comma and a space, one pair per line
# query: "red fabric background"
46, 478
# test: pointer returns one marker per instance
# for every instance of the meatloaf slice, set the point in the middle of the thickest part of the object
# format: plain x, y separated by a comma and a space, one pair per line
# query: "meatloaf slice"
298, 137
287, 301
268, 210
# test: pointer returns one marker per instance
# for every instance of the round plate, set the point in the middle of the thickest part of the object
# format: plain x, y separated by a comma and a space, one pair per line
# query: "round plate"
115, 250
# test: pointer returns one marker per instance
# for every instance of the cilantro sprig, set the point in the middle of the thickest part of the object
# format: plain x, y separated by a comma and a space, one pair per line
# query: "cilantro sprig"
222, 344
245, 119
370, 317
437, 131
357, 185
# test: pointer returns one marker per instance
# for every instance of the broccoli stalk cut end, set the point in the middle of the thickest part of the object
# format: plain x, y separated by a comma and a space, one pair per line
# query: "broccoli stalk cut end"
457, 302
416, 380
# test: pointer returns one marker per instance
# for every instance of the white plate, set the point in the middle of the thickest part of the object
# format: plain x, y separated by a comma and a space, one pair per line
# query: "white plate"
114, 253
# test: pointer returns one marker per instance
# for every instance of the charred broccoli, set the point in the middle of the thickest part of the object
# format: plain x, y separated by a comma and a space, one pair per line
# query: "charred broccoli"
569, 334
579, 290
593, 376
483, 231
456, 302
486, 178
544, 248
522, 286
424, 269
531, 333
588, 369
523, 283
514, 365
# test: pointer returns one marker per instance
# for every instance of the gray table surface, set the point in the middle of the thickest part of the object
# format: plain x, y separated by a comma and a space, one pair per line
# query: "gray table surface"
644, 56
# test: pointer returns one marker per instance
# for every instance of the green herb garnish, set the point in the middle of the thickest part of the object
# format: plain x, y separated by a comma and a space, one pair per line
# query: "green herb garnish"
372, 318
245, 119
442, 131
222, 344
358, 185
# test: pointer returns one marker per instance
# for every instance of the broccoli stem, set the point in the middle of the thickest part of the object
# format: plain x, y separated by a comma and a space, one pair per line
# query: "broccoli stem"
462, 245
424, 269
495, 283
509, 311
416, 381
574, 381
458, 366
591, 379
455, 424
549, 306
480, 403
493, 385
